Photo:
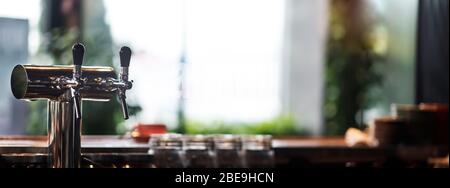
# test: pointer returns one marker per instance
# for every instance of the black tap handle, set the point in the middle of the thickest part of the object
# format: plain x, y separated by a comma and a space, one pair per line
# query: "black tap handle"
125, 56
78, 54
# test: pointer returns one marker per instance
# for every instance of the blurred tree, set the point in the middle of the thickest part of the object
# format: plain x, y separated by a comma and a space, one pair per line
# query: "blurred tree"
63, 23
353, 51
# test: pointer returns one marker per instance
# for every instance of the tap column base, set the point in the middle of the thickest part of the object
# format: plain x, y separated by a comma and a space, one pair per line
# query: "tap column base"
64, 135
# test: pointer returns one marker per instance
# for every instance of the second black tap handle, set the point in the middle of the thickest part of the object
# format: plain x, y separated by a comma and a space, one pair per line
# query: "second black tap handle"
78, 54
125, 56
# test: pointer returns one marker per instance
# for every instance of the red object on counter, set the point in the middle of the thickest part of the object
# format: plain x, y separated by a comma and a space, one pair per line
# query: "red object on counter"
143, 132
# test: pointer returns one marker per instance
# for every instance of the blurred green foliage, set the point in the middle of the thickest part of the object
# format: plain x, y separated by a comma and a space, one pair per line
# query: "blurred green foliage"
281, 125
37, 120
356, 45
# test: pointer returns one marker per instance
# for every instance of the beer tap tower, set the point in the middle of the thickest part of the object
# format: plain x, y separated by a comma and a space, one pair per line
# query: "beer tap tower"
65, 87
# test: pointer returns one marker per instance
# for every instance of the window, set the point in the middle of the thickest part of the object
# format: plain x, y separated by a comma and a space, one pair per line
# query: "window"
233, 51
19, 38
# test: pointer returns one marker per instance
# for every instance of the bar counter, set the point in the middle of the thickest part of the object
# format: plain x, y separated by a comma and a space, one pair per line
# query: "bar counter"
290, 151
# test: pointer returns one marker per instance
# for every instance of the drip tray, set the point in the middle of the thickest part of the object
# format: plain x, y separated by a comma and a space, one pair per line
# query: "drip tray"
89, 160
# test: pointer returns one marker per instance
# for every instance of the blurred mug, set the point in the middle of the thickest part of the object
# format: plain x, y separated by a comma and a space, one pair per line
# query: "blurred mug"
440, 115
424, 123
387, 131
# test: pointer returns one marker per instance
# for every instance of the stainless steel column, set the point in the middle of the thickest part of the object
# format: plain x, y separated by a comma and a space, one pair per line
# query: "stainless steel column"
64, 135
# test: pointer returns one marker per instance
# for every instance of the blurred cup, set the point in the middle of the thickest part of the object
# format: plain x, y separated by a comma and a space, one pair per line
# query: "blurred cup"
258, 151
167, 150
440, 114
386, 131
419, 124
229, 151
198, 151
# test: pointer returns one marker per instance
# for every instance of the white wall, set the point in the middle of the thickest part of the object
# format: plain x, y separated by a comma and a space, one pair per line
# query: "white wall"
302, 72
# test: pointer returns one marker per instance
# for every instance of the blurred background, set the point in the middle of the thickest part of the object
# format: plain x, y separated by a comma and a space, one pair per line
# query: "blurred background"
281, 67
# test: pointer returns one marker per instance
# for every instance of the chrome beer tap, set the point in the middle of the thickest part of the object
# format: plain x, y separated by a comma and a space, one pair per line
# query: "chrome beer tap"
65, 87
124, 84
77, 55
73, 84
121, 85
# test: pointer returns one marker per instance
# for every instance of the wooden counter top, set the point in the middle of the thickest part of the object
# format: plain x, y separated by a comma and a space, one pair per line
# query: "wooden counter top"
289, 151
